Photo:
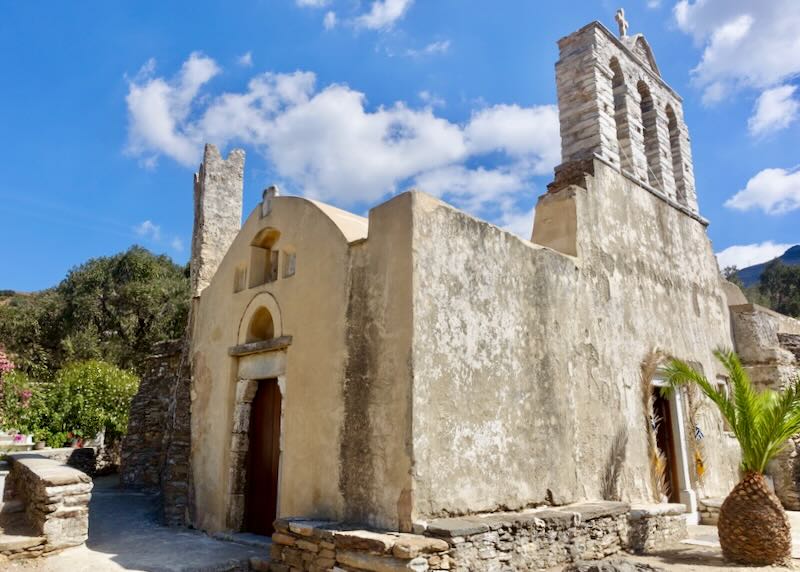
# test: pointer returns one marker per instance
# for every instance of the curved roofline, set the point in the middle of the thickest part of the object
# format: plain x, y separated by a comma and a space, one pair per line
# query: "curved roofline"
351, 226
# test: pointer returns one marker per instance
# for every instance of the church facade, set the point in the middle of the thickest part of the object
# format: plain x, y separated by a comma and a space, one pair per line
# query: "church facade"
421, 365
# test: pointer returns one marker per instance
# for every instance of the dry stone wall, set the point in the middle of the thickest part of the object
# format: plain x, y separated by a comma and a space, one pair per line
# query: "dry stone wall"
155, 452
527, 540
142, 447
55, 496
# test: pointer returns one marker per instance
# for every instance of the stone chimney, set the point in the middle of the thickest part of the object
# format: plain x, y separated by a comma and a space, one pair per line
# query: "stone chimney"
218, 195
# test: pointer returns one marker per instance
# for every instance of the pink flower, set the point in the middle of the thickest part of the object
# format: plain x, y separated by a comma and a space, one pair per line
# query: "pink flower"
6, 365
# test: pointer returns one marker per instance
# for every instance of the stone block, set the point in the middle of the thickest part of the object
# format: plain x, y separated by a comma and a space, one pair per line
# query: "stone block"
409, 546
591, 511
282, 538
305, 527
450, 527
375, 563
307, 546
364, 540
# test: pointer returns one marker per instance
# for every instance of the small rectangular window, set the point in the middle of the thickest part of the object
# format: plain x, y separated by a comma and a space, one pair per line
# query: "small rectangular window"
273, 265
289, 263
240, 279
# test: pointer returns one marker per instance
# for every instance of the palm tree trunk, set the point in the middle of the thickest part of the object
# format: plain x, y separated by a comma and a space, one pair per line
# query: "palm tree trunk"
753, 528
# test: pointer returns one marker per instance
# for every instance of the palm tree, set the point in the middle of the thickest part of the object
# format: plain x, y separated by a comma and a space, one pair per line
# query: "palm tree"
753, 527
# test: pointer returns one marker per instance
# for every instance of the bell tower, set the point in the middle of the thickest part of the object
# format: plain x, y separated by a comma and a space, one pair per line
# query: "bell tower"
615, 106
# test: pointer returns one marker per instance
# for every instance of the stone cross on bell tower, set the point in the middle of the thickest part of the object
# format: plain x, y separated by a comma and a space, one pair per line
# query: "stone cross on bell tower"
622, 23
614, 105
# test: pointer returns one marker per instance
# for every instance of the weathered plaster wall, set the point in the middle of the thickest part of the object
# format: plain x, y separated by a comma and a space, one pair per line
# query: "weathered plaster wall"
375, 473
312, 305
527, 361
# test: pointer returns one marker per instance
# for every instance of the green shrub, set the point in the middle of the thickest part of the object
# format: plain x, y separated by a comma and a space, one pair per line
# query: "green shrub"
82, 400
88, 397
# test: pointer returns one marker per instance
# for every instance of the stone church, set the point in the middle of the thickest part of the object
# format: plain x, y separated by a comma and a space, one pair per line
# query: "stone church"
420, 388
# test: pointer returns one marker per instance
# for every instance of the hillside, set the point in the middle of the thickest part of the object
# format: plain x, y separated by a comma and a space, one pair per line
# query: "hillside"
751, 275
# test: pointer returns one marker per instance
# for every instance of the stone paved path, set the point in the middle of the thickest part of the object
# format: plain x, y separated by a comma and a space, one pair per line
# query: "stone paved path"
124, 534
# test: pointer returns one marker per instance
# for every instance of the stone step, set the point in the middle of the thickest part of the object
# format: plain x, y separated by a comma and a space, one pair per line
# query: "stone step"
18, 538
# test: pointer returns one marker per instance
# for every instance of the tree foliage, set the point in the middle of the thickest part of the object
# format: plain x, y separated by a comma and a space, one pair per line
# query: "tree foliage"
780, 285
111, 308
761, 421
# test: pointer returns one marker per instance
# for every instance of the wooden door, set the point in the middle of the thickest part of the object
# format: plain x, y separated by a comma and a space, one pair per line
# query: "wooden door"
261, 501
666, 443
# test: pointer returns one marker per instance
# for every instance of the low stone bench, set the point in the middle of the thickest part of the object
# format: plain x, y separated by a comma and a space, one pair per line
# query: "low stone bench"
653, 526
525, 540
55, 498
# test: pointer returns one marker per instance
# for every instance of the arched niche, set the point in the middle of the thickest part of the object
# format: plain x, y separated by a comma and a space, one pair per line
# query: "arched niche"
261, 327
620, 92
264, 257
650, 132
262, 317
676, 154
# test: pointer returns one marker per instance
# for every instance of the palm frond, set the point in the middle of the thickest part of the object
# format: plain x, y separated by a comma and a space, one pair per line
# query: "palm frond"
761, 421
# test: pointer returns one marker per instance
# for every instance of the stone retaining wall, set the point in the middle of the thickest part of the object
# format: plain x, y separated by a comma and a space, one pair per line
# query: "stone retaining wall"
709, 510
55, 496
143, 445
654, 526
527, 540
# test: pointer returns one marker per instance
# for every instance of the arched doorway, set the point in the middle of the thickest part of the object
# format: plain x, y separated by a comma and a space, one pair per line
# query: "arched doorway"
257, 421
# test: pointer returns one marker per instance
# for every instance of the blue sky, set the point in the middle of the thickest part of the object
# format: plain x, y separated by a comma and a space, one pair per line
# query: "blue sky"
105, 107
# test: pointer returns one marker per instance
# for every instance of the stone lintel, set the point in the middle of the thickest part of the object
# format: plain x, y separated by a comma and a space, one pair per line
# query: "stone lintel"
260, 347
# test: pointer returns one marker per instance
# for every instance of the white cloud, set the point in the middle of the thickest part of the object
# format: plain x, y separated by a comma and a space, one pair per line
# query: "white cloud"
776, 109
157, 108
746, 43
774, 191
742, 256
519, 222
329, 21
653, 4
312, 3
177, 244
326, 143
438, 47
147, 229
245, 60
383, 14
523, 132
431, 99
477, 187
